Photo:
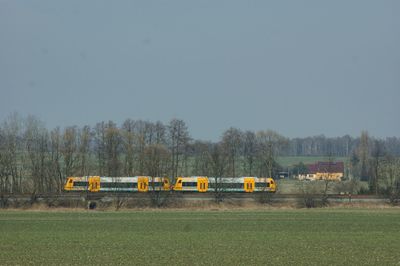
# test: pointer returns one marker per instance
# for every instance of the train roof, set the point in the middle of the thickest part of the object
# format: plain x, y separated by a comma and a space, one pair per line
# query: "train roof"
190, 178
126, 179
79, 178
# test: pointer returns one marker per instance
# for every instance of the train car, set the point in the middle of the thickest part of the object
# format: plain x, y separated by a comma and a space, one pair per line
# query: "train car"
148, 183
193, 184
225, 184
117, 184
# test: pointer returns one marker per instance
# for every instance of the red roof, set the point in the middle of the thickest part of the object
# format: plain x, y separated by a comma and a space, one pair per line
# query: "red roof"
326, 167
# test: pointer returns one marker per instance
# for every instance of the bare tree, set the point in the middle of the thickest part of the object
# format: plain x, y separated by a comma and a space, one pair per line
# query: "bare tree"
142, 138
231, 142
390, 173
249, 152
11, 168
269, 145
10, 154
5, 186
135, 137
363, 154
100, 147
55, 168
159, 133
218, 160
328, 171
128, 144
112, 147
157, 160
376, 158
200, 152
108, 148
36, 140
157, 163
69, 150
178, 140
84, 151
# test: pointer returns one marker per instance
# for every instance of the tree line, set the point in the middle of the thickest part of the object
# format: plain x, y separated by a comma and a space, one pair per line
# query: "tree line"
34, 159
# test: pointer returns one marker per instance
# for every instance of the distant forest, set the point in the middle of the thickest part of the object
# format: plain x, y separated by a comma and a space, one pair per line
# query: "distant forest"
36, 159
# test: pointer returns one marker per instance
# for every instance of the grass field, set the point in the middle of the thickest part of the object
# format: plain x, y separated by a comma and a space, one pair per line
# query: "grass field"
288, 161
292, 186
274, 237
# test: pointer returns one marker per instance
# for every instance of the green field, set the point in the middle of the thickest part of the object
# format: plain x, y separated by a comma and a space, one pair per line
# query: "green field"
293, 186
275, 237
288, 161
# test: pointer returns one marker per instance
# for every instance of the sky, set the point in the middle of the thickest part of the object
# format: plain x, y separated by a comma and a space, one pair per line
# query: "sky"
301, 68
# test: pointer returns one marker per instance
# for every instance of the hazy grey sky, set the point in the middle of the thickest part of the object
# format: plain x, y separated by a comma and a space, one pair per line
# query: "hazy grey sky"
298, 67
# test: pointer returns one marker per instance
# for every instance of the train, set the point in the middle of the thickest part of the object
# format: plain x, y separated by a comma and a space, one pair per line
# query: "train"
182, 184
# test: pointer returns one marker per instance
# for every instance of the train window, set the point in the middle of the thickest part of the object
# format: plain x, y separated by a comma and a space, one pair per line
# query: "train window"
80, 184
189, 184
118, 185
262, 184
156, 184
105, 185
233, 185
70, 181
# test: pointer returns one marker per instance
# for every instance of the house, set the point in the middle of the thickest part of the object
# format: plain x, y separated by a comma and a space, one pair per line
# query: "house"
324, 171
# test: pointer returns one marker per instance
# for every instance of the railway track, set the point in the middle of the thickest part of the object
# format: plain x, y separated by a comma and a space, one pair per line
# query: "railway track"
188, 196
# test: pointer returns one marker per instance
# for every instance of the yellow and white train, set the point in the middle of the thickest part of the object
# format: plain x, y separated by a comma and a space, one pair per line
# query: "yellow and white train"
225, 184
116, 184
184, 184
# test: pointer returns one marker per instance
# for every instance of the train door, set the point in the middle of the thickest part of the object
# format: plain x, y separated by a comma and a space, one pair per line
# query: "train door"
143, 183
94, 183
248, 184
202, 184
166, 184
69, 184
271, 185
178, 184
